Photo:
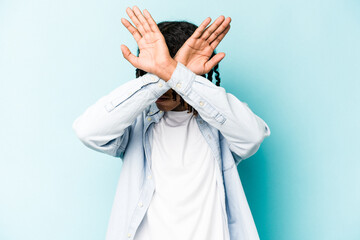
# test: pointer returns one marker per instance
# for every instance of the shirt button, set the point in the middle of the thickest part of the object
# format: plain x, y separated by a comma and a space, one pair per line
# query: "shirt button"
149, 177
160, 85
140, 204
178, 85
149, 118
201, 103
129, 235
153, 78
161, 111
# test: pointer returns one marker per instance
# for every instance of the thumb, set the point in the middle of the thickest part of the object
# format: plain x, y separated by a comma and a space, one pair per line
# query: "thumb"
129, 56
213, 61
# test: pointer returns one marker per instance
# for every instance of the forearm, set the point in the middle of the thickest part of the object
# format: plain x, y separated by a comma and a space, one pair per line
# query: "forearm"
243, 129
102, 124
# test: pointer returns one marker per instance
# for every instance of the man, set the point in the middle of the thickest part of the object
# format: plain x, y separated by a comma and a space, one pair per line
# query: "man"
179, 178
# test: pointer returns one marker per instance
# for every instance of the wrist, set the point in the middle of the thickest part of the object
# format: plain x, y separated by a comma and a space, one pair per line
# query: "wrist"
165, 70
181, 60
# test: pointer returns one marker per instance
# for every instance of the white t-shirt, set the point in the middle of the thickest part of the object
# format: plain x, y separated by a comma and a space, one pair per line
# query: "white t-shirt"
186, 203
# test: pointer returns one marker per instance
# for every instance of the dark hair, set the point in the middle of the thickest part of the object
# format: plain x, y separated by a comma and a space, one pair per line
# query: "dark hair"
176, 33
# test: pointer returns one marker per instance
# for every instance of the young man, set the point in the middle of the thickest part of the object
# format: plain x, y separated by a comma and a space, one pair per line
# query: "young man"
179, 178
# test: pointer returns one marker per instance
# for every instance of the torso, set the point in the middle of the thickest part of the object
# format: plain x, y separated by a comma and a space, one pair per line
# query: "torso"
186, 203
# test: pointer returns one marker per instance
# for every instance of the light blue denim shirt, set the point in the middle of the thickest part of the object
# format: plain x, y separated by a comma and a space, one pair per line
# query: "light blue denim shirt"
119, 125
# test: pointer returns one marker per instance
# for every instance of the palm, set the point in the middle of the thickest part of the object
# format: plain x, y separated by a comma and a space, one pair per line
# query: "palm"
197, 50
151, 42
152, 47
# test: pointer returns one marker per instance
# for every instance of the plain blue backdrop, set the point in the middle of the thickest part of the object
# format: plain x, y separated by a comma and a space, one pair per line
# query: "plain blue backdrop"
296, 64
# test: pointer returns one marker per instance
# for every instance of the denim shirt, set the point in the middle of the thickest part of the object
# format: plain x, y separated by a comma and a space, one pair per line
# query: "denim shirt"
119, 125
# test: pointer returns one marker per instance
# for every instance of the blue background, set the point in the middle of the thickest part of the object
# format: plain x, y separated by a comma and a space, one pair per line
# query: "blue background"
296, 63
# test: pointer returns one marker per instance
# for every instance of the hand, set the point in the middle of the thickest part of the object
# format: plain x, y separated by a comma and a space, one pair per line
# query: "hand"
154, 56
198, 48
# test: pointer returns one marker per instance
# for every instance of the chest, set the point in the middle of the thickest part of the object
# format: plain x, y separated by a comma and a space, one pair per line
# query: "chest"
187, 144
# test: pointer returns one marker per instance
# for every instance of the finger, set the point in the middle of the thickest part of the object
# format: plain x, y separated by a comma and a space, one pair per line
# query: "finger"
219, 30
129, 56
154, 27
213, 61
212, 27
143, 21
135, 20
201, 28
132, 29
216, 42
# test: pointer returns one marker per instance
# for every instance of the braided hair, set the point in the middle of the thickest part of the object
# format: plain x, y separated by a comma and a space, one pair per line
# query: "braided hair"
175, 34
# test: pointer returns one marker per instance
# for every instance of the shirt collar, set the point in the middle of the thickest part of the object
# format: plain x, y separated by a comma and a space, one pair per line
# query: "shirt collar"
153, 109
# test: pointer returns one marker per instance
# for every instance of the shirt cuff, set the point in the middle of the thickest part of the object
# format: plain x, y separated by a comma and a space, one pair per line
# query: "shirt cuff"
181, 79
158, 86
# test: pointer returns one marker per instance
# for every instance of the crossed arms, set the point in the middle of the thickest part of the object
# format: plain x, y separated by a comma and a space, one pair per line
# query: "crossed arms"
104, 126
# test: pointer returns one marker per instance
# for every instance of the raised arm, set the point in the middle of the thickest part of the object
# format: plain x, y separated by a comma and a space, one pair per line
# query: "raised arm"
243, 130
105, 125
